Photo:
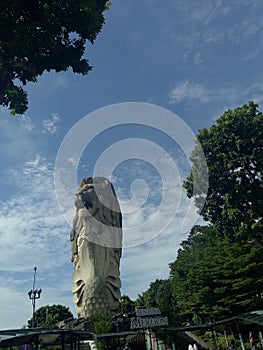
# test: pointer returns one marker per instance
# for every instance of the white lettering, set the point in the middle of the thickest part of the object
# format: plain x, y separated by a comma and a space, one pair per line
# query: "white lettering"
138, 322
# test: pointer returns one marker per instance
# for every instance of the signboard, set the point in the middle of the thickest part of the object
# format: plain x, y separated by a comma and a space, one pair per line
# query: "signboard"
147, 318
148, 322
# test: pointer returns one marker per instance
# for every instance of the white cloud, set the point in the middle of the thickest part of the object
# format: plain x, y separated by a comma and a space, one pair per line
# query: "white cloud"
32, 233
73, 160
144, 264
202, 11
188, 90
50, 125
232, 95
31, 226
17, 139
27, 122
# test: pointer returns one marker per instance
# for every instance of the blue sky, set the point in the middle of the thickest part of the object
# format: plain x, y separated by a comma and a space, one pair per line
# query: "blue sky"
179, 58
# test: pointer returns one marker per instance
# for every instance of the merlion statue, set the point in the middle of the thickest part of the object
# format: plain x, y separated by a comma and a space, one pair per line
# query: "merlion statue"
96, 242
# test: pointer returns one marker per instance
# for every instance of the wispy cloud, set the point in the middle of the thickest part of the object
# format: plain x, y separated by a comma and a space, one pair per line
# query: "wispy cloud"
144, 264
50, 125
16, 139
204, 11
188, 90
27, 122
232, 94
31, 217
32, 233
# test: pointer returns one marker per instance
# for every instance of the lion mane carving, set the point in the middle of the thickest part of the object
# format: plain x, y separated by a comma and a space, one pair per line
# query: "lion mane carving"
96, 244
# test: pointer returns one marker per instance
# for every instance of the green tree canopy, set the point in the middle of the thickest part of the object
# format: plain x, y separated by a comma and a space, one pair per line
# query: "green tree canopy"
99, 324
233, 148
159, 294
126, 304
43, 35
49, 316
212, 276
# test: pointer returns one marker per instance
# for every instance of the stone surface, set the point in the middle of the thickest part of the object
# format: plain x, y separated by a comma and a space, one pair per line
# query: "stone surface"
96, 244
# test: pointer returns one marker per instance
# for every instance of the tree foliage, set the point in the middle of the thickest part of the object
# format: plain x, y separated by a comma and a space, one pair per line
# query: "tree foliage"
99, 324
233, 148
127, 305
49, 316
43, 35
159, 294
213, 276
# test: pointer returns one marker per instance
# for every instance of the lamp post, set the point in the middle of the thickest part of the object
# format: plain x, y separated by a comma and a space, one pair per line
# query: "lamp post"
33, 295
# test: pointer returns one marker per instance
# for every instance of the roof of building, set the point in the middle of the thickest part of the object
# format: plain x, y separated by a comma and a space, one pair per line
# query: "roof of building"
15, 337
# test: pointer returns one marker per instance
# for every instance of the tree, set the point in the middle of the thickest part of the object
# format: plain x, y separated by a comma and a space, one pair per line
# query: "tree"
100, 324
233, 148
159, 295
127, 305
49, 316
43, 35
213, 276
